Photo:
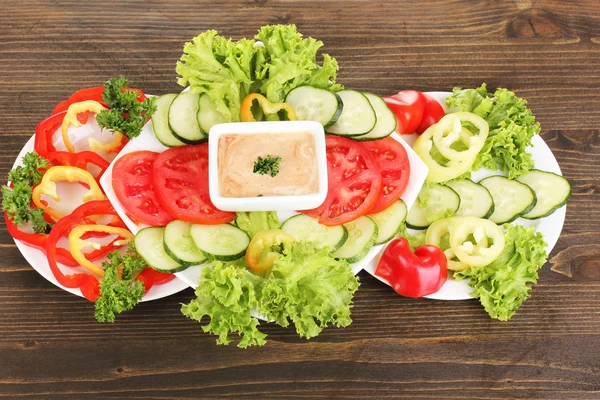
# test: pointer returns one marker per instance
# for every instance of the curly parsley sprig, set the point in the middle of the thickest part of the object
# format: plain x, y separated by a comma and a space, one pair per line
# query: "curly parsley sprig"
268, 165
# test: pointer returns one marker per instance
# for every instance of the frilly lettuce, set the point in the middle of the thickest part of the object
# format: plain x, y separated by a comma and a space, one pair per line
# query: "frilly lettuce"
503, 285
230, 70
306, 286
512, 127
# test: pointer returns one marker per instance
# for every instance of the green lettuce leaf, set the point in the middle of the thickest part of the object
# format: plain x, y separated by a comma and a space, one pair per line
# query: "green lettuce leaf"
310, 288
503, 285
512, 127
253, 222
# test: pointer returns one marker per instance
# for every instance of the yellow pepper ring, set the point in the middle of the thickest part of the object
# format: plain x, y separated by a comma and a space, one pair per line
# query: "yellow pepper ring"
76, 244
69, 174
476, 252
71, 119
449, 130
267, 107
260, 254
434, 235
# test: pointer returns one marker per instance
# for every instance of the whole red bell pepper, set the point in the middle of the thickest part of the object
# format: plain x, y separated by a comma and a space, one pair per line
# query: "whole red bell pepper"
413, 274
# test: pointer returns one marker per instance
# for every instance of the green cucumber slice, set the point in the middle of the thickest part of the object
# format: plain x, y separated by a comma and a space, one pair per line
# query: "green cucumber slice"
304, 228
179, 244
551, 191
160, 121
362, 233
149, 243
222, 242
389, 221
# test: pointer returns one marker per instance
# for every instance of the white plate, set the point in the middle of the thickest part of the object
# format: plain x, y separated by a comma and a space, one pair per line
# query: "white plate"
550, 226
37, 259
191, 275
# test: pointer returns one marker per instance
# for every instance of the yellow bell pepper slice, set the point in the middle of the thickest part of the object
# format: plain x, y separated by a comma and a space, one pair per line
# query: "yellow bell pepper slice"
69, 174
470, 241
438, 234
76, 244
263, 249
450, 134
71, 119
267, 107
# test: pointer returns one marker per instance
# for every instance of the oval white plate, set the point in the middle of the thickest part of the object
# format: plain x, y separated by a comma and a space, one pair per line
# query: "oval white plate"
37, 259
550, 226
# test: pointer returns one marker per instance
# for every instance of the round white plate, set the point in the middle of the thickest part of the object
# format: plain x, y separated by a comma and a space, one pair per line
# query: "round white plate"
37, 259
550, 226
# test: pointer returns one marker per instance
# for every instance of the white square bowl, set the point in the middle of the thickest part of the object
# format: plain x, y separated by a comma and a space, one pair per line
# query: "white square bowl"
267, 203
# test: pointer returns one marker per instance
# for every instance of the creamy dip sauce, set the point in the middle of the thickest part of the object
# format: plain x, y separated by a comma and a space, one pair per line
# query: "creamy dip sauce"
298, 170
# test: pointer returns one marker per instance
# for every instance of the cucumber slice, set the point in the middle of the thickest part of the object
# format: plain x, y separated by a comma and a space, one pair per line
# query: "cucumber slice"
475, 199
386, 120
511, 198
182, 118
149, 244
180, 246
361, 237
160, 121
358, 116
389, 221
314, 104
221, 242
302, 227
207, 114
551, 191
440, 198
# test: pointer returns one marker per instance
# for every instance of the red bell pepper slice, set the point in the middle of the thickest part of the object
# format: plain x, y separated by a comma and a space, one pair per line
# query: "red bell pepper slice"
413, 274
150, 277
93, 93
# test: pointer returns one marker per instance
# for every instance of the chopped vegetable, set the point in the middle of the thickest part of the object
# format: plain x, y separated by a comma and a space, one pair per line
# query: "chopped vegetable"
503, 285
64, 173
119, 289
253, 222
306, 286
266, 106
512, 127
413, 274
16, 200
268, 165
266, 247
229, 71
127, 114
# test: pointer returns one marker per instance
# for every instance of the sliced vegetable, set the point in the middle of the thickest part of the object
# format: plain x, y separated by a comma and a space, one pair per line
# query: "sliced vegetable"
408, 106
132, 183
511, 198
432, 113
394, 167
182, 118
160, 121
220, 242
266, 247
149, 243
460, 136
180, 246
358, 116
315, 104
208, 116
434, 202
475, 199
476, 241
551, 191
386, 120
76, 243
413, 274
438, 235
62, 173
266, 106
362, 234
389, 221
354, 182
304, 228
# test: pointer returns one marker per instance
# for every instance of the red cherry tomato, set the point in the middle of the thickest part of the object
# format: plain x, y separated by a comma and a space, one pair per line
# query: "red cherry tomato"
408, 106
180, 177
395, 170
431, 115
132, 182
354, 182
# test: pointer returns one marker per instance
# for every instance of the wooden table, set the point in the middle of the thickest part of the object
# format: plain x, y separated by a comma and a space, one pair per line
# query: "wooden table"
546, 51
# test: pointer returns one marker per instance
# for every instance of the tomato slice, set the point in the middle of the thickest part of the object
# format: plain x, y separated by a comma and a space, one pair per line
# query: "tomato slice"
432, 113
354, 182
395, 170
180, 176
408, 106
132, 182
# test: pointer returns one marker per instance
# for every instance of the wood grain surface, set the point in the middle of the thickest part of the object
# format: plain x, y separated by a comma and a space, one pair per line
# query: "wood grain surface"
546, 51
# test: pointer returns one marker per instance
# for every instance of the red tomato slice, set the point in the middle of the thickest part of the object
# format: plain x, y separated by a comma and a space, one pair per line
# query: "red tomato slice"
180, 176
408, 106
395, 171
432, 113
132, 182
354, 182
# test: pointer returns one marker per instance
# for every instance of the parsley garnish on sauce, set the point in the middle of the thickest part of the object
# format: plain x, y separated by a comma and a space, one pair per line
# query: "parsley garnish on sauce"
127, 115
268, 165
